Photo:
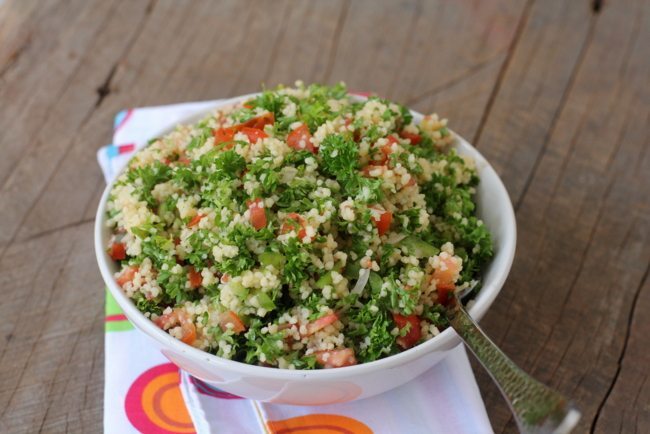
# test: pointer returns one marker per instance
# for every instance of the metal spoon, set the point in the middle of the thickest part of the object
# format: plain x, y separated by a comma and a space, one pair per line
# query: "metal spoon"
537, 408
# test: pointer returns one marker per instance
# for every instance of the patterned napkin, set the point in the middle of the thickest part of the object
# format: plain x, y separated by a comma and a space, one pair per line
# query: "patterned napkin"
146, 393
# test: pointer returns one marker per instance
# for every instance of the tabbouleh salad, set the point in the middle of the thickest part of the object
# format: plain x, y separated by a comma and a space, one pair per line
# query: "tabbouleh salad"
300, 229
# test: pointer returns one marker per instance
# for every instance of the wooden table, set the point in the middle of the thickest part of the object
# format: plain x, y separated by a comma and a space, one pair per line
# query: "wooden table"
554, 93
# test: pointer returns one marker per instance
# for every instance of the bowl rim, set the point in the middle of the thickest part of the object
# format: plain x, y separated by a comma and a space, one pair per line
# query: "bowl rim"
482, 301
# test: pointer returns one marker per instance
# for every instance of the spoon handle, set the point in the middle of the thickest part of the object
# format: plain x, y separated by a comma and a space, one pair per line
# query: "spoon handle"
537, 408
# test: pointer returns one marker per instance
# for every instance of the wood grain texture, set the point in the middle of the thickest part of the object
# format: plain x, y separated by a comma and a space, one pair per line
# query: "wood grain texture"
554, 93
582, 215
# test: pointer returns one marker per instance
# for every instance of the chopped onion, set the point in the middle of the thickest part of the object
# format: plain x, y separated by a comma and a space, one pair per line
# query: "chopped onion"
364, 274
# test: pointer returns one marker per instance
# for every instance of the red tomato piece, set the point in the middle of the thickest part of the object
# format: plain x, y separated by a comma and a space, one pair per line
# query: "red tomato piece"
195, 220
117, 251
385, 154
321, 323
127, 275
294, 222
222, 135
194, 277
166, 320
253, 134
413, 335
445, 292
257, 214
189, 332
447, 273
260, 121
413, 137
382, 221
253, 128
231, 317
300, 139
392, 140
336, 358
175, 318
386, 150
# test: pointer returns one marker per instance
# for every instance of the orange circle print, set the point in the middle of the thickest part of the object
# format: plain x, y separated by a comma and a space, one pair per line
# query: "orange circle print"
154, 403
318, 424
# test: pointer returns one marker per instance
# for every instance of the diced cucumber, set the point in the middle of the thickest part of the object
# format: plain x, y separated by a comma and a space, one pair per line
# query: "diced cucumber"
272, 258
417, 247
265, 301
375, 281
239, 290
324, 280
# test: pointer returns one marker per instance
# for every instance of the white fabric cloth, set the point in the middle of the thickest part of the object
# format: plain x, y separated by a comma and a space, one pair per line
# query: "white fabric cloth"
446, 399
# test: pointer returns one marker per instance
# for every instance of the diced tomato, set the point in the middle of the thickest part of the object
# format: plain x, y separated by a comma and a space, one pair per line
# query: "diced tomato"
194, 277
189, 332
413, 137
260, 121
127, 275
321, 323
382, 221
248, 105
253, 128
257, 214
300, 139
231, 317
175, 318
336, 358
385, 154
222, 135
253, 134
166, 320
117, 251
448, 271
195, 220
413, 335
294, 222
445, 292
382, 158
225, 278
391, 140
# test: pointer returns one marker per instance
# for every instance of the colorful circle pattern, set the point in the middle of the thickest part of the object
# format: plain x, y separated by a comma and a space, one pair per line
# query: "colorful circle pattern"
319, 424
154, 403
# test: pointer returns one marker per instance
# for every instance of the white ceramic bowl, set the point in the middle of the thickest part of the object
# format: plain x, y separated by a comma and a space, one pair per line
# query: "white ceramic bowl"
327, 386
